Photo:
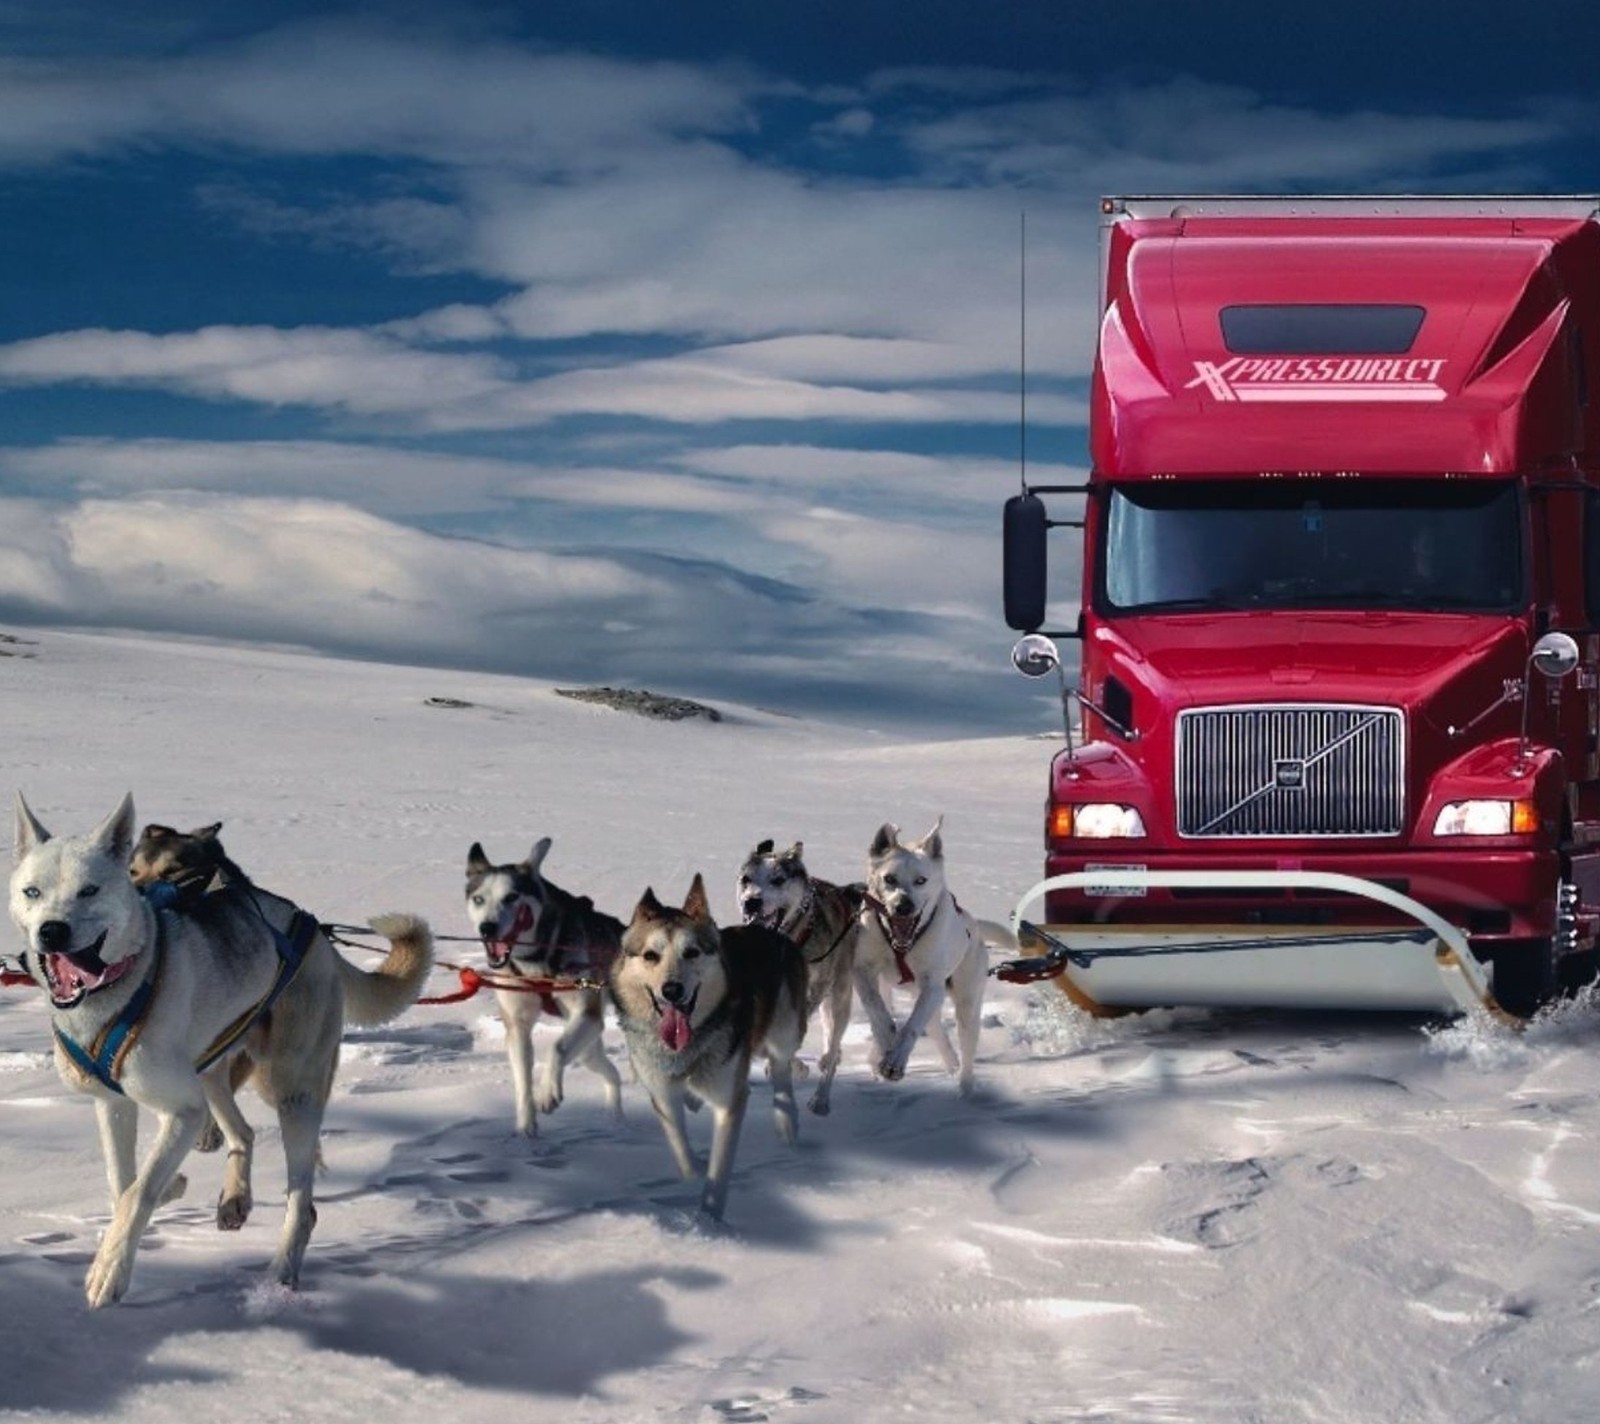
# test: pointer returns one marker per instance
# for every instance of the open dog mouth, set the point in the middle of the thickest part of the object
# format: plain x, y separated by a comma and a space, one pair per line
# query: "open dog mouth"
772, 920
902, 929
675, 1027
72, 974
499, 951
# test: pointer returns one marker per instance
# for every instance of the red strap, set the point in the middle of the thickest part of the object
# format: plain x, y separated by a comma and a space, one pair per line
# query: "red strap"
471, 982
10, 977
906, 976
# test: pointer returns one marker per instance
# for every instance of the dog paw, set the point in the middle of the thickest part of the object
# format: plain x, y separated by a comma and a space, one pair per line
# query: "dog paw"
210, 1138
175, 1189
548, 1098
820, 1105
107, 1280
233, 1212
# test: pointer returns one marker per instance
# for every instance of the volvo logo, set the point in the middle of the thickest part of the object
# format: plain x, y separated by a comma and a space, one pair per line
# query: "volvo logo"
1289, 774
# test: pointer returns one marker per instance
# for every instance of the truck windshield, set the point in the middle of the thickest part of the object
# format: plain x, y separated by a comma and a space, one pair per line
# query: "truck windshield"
1429, 545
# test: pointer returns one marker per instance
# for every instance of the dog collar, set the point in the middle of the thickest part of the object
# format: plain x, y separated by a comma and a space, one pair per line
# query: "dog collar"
808, 906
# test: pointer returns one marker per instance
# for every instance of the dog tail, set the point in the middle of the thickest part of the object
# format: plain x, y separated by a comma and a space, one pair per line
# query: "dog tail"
997, 935
391, 988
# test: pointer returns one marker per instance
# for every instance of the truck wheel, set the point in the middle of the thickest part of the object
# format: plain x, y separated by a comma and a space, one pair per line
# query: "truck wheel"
1525, 976
1577, 971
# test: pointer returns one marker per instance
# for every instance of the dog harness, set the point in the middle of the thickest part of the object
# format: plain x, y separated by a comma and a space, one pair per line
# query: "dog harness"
292, 944
103, 1060
900, 951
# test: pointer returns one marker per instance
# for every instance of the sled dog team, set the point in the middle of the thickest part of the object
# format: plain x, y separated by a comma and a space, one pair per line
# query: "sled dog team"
174, 979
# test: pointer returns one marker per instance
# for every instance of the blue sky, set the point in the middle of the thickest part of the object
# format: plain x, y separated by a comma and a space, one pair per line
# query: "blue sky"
665, 344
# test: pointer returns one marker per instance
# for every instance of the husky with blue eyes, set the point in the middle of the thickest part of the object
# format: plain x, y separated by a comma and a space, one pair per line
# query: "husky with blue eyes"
149, 1006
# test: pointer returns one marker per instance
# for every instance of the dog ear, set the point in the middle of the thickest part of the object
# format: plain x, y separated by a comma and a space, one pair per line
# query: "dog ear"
477, 861
536, 856
932, 844
29, 832
206, 833
887, 839
648, 908
795, 854
115, 833
156, 832
765, 848
695, 904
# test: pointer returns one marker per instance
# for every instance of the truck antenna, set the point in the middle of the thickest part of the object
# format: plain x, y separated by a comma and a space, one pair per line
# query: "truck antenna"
1022, 361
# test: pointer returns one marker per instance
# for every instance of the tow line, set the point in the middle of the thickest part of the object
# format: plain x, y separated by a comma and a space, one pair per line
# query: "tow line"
472, 981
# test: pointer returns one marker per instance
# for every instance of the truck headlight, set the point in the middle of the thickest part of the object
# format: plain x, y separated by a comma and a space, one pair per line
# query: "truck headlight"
1486, 818
1096, 821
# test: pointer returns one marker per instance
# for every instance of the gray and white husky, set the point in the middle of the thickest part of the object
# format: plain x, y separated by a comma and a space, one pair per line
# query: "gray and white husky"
696, 1004
533, 930
147, 1006
822, 920
913, 933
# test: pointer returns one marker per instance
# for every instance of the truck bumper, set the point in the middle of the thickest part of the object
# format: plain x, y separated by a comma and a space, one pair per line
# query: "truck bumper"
1489, 894
1414, 960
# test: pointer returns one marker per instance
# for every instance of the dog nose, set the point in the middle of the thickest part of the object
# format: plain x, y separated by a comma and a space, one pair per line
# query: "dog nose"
486, 929
751, 906
672, 991
54, 936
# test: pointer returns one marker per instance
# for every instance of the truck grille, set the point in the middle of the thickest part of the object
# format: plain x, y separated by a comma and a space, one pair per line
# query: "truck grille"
1286, 770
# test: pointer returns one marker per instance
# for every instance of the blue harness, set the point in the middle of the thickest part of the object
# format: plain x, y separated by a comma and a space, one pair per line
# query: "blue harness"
103, 1060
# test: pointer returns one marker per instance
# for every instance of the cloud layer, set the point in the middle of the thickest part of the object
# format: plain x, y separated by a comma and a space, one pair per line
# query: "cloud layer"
740, 408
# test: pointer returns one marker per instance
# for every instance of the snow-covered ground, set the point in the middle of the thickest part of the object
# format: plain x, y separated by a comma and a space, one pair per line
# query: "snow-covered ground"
1179, 1216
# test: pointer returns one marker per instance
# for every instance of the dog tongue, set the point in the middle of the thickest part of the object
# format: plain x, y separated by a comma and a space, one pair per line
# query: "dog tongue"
69, 977
675, 1030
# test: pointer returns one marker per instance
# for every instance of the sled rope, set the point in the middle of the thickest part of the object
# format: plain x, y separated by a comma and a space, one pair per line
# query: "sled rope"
472, 981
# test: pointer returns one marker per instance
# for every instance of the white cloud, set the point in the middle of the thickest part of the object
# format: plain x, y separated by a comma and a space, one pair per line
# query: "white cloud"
362, 372
397, 483
335, 87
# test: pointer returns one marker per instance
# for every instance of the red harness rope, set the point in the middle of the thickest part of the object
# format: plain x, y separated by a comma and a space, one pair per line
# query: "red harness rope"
474, 980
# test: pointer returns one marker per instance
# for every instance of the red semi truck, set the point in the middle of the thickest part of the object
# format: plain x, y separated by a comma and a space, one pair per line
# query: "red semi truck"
1337, 738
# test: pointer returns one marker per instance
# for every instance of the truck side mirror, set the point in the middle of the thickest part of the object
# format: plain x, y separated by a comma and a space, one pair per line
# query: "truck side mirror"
1555, 654
1035, 655
1024, 561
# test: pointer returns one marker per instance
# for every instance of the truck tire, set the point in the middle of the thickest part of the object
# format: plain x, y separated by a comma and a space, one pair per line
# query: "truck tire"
1525, 975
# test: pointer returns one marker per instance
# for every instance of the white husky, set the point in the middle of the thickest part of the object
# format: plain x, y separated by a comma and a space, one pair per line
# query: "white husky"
914, 933
148, 1005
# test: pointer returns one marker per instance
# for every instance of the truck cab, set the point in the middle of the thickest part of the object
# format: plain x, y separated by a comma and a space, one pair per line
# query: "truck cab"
1340, 605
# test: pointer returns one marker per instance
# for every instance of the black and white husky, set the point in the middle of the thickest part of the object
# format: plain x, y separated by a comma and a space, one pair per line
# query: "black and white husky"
533, 930
822, 920
696, 1004
913, 933
148, 1005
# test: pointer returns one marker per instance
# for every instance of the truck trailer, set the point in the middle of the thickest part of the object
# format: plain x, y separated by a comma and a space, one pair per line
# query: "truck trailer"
1333, 735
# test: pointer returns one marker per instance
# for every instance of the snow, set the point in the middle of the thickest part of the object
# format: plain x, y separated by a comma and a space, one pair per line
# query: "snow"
1177, 1216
